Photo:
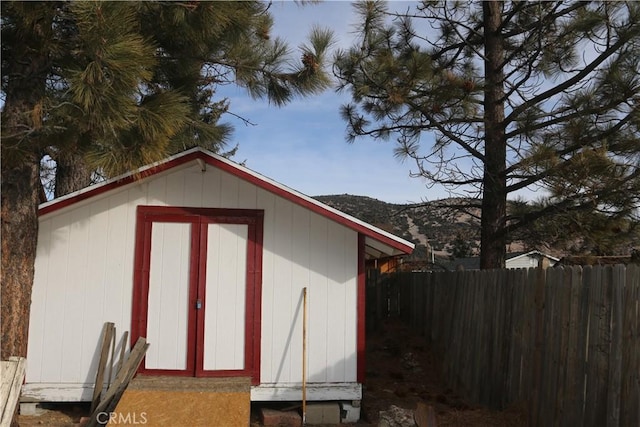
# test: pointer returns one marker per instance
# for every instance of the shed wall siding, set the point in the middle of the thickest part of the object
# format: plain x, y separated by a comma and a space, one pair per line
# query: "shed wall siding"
524, 262
84, 271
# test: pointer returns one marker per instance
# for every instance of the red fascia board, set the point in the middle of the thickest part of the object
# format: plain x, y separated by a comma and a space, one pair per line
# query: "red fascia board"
233, 170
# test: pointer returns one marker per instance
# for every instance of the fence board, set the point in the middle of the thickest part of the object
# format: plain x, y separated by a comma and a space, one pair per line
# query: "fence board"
419, 300
514, 334
550, 340
479, 363
517, 327
572, 402
467, 351
538, 344
502, 339
429, 308
486, 324
583, 354
597, 366
630, 387
457, 337
562, 349
615, 349
494, 341
530, 311
506, 341
549, 368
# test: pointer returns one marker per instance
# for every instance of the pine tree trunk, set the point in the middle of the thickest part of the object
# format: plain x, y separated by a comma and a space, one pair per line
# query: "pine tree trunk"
72, 173
22, 119
494, 200
20, 194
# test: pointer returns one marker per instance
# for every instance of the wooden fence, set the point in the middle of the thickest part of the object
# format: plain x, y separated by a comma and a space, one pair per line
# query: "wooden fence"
565, 341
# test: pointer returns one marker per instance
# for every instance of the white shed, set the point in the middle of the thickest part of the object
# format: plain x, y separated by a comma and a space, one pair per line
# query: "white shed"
531, 259
207, 260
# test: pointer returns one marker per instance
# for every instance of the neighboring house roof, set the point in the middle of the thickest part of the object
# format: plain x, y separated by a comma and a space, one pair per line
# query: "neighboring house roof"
473, 263
517, 255
377, 241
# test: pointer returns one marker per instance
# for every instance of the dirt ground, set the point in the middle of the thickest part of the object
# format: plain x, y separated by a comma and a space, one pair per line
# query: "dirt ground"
401, 371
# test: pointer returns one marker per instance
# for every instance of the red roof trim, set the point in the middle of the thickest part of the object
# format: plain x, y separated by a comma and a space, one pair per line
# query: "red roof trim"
98, 189
237, 171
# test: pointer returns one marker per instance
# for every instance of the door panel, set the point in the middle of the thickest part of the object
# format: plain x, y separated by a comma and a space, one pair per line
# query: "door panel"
225, 290
168, 300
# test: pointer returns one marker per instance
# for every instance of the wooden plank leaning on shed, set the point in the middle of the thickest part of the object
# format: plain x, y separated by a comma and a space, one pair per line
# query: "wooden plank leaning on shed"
123, 377
108, 334
12, 373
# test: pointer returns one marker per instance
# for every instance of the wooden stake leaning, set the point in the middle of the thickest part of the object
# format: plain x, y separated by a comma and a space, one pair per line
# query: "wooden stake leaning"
108, 332
123, 348
304, 356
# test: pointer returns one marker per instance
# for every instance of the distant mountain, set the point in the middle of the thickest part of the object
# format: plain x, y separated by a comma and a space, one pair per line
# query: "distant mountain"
429, 223
446, 225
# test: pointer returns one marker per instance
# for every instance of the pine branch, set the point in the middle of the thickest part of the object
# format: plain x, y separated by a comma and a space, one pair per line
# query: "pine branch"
439, 126
585, 72
568, 117
573, 203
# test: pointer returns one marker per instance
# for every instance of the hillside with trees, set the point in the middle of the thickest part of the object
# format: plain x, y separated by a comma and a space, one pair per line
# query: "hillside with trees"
452, 228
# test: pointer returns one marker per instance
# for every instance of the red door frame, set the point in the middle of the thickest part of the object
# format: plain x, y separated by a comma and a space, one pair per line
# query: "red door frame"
199, 219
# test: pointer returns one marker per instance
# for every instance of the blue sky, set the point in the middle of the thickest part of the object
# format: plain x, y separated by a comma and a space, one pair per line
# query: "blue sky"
302, 145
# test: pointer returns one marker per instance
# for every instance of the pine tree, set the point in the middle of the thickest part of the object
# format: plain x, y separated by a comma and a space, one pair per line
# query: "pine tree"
460, 247
110, 86
199, 46
517, 95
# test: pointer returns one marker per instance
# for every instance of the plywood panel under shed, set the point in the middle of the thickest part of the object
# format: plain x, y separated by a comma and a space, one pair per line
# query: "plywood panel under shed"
175, 401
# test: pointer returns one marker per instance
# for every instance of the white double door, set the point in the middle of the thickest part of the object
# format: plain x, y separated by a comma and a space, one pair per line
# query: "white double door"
199, 294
